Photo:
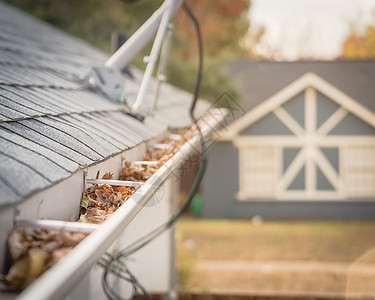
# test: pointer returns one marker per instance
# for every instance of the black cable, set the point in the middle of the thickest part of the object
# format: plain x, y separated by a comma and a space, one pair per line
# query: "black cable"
115, 262
200, 57
122, 272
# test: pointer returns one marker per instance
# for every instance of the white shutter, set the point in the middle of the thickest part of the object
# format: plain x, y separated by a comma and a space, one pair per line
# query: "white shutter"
257, 171
359, 171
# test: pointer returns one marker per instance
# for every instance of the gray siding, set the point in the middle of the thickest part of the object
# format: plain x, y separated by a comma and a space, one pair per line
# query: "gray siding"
288, 155
296, 108
268, 125
322, 182
353, 126
325, 107
332, 154
298, 183
220, 183
271, 210
259, 80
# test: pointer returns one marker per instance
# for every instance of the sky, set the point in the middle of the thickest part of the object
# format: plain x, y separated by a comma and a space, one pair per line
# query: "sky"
308, 28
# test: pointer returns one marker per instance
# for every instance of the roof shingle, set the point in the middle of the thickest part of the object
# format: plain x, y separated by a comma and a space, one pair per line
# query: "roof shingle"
51, 124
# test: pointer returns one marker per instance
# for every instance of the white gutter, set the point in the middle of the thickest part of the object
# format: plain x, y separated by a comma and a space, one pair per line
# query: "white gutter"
57, 282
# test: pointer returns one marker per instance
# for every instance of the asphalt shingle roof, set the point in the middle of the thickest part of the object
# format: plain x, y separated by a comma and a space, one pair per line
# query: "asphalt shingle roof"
259, 80
50, 123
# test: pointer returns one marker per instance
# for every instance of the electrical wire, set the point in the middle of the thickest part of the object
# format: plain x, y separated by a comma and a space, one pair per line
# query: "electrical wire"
121, 272
115, 264
200, 62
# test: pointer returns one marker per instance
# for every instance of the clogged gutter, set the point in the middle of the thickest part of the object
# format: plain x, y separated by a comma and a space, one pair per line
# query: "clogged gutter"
101, 200
35, 250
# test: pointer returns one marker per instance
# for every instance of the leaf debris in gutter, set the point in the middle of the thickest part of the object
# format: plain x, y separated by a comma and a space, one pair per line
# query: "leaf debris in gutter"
101, 200
33, 251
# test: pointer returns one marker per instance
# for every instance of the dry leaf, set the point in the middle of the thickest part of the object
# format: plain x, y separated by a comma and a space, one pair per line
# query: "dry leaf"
18, 271
35, 250
57, 255
37, 261
17, 246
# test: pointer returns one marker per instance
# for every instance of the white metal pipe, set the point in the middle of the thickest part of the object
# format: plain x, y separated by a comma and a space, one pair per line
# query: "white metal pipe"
162, 146
160, 77
139, 39
167, 14
175, 137
114, 182
56, 224
145, 162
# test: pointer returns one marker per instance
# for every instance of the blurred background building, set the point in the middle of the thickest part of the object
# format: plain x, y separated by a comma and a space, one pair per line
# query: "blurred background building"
305, 148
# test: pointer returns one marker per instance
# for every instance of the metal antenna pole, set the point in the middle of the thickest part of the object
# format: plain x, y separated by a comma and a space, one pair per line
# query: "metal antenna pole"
140, 38
107, 77
161, 77
151, 60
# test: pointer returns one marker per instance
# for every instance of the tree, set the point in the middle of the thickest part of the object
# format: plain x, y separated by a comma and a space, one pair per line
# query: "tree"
359, 43
91, 20
223, 24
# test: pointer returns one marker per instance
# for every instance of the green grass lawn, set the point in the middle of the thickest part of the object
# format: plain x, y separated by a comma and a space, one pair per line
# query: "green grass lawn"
336, 241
